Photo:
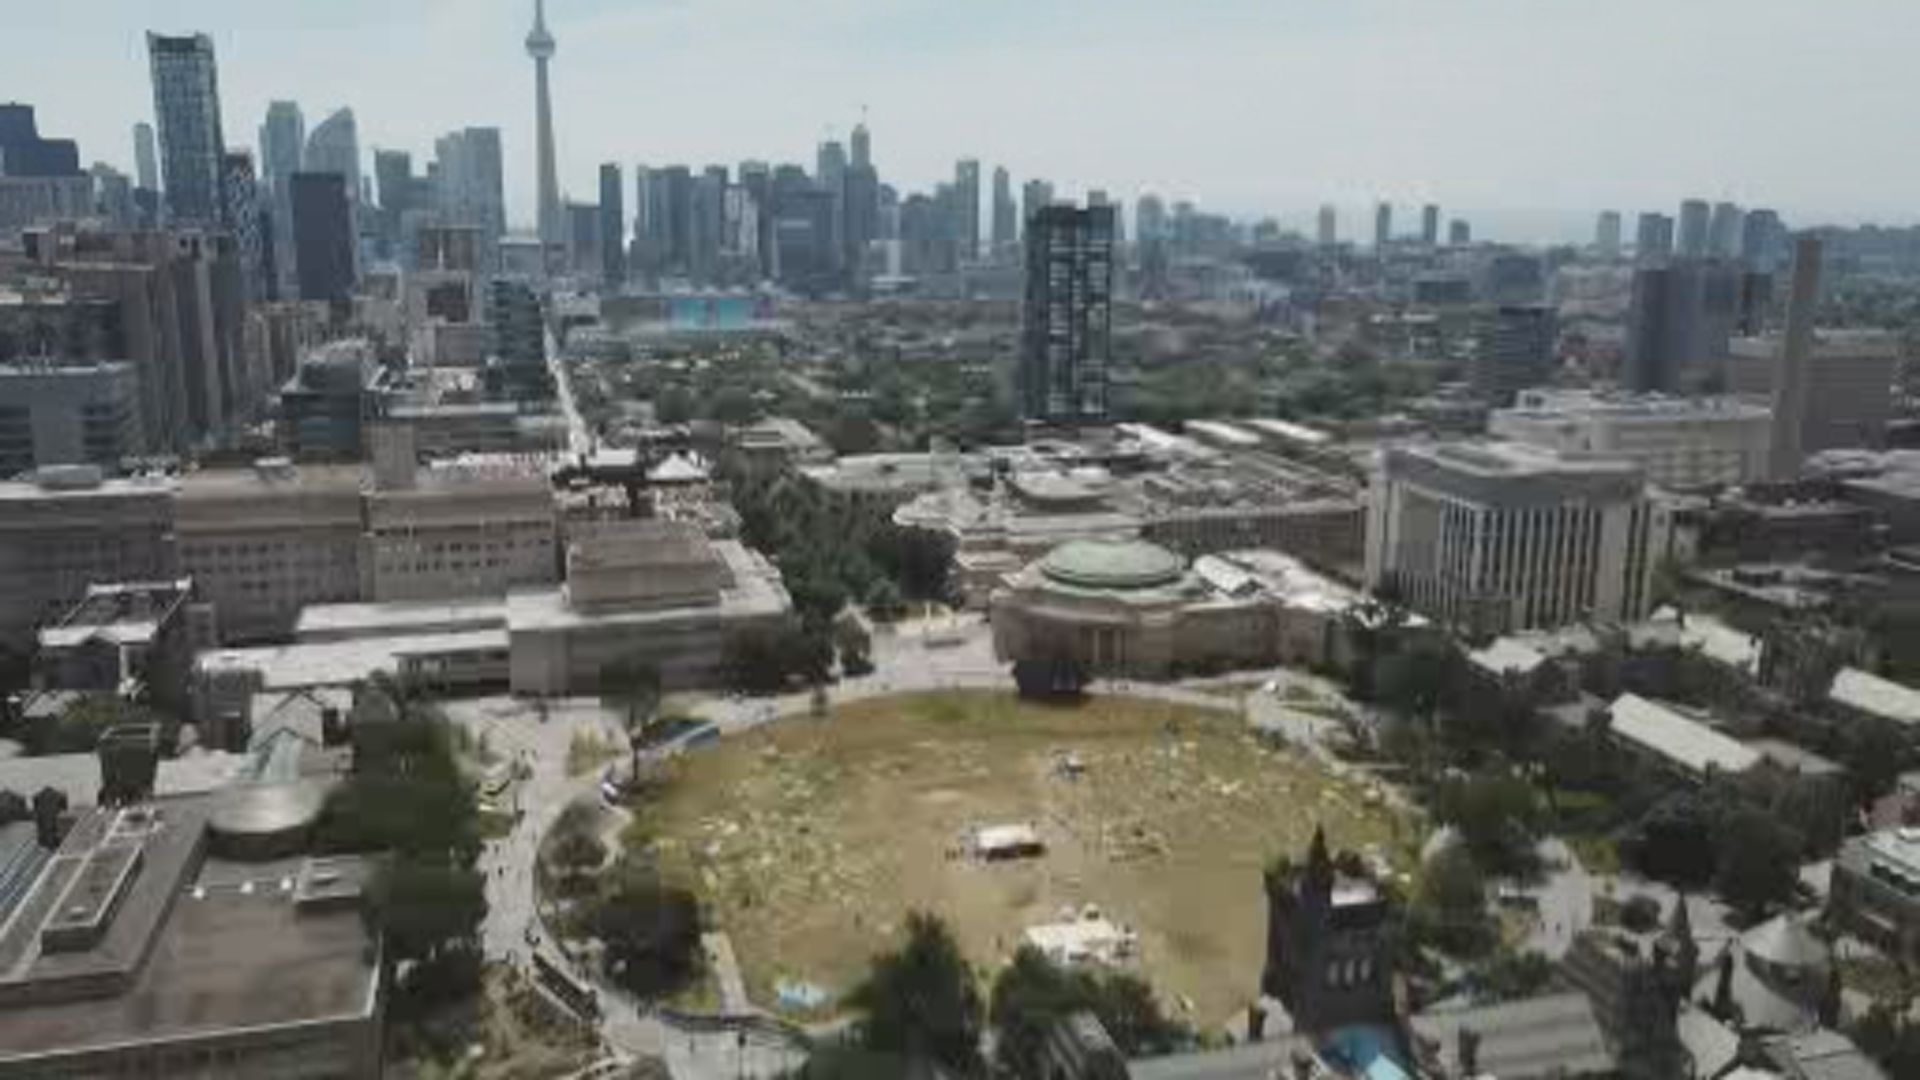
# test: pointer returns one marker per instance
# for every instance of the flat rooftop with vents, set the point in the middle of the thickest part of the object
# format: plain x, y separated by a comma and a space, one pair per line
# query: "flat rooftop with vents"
129, 951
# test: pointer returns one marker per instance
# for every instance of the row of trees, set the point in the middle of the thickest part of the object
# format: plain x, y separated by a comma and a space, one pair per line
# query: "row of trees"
921, 1004
407, 800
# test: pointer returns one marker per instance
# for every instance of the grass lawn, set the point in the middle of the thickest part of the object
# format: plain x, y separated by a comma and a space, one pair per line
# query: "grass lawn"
809, 840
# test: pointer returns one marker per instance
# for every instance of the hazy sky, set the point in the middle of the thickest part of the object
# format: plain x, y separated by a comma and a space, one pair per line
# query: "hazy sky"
1524, 115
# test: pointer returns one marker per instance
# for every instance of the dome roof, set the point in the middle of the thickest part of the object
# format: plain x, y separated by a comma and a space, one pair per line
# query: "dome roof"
258, 810
1112, 564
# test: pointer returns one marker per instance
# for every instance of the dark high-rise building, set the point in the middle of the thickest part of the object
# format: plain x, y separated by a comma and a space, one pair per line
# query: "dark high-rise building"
1382, 226
1695, 218
613, 227
1067, 320
23, 152
1606, 235
863, 213
186, 102
1516, 351
323, 239
251, 223
1653, 239
1430, 225
517, 338
966, 209
830, 173
1005, 227
146, 167
1459, 233
1328, 227
707, 210
1678, 325
396, 189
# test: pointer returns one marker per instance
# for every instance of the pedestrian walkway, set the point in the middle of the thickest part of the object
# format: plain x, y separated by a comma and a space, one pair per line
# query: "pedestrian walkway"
726, 971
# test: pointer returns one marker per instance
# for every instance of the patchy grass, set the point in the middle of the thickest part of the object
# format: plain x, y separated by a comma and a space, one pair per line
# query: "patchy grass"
809, 841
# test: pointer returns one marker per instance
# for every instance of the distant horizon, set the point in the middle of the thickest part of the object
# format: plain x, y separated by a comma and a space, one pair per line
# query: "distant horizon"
1259, 109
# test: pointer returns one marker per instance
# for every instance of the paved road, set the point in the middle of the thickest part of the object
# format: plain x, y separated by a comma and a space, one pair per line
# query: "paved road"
579, 440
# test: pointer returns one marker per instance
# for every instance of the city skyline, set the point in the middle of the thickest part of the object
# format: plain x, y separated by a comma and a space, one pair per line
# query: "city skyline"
1406, 106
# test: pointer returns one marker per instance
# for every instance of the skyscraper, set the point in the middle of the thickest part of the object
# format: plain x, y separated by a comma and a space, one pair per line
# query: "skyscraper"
1430, 225
863, 213
1653, 238
1679, 322
540, 46
1382, 226
1329, 225
1035, 196
1786, 452
1005, 224
1694, 219
323, 236
186, 102
1515, 352
334, 147
1606, 234
1761, 237
1459, 233
613, 227
1067, 320
966, 209
830, 173
146, 170
862, 145
283, 144
394, 188
472, 190
250, 223
1723, 231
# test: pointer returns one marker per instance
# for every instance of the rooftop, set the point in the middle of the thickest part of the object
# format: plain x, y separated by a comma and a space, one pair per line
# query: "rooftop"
1120, 565
122, 614
231, 952
1551, 1036
1677, 738
1876, 696
342, 663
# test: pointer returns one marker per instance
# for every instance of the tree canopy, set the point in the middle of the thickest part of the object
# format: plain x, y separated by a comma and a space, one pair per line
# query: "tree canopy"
1032, 994
921, 1001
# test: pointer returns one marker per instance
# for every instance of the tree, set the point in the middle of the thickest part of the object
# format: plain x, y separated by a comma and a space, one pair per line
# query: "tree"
854, 644
1674, 842
757, 660
576, 847
632, 685
921, 1002
883, 600
1032, 994
425, 908
1450, 904
651, 929
1758, 863
1498, 816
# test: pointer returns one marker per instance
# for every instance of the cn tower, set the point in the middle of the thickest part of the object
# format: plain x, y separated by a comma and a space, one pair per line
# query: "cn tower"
540, 46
